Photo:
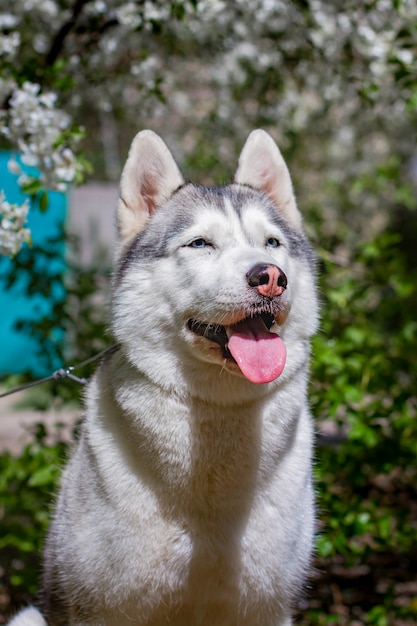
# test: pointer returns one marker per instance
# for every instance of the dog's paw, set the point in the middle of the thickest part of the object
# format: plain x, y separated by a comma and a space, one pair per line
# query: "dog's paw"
28, 617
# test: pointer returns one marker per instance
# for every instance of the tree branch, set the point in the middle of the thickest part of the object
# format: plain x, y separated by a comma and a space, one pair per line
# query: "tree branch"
58, 42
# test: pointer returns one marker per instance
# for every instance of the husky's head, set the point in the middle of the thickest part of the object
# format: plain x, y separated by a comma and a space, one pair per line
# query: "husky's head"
220, 278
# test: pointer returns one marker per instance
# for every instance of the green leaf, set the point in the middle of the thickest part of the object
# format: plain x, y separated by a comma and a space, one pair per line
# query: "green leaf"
32, 187
43, 202
44, 476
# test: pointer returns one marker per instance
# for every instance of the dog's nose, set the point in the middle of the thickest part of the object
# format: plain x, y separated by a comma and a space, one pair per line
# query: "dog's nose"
269, 280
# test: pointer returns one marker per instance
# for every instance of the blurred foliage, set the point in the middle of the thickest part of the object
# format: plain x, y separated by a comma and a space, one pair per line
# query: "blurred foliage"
364, 396
27, 485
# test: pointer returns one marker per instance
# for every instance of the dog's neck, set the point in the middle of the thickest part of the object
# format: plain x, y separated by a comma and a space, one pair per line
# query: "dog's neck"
205, 383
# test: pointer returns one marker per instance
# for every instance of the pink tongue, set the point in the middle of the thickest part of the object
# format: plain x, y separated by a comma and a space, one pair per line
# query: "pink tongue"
260, 354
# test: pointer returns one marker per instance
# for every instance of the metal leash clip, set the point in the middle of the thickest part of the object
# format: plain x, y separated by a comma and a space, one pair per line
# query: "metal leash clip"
67, 373
64, 372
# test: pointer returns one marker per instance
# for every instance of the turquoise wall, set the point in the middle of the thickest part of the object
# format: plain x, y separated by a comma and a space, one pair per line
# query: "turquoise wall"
18, 351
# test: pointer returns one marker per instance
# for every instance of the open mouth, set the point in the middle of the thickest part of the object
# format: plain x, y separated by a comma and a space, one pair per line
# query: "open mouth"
259, 353
218, 333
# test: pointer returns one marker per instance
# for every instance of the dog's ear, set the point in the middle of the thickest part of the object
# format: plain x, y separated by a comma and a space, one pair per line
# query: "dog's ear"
149, 178
262, 166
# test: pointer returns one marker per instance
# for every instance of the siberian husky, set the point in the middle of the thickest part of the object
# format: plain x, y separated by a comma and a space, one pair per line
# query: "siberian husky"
188, 500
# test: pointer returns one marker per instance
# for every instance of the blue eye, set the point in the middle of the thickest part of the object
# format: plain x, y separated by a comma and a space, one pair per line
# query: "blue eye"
272, 242
199, 243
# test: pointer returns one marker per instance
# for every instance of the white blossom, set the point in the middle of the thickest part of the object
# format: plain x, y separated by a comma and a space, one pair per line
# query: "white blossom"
36, 126
13, 233
8, 21
40, 43
406, 56
9, 44
128, 15
153, 12
48, 8
13, 166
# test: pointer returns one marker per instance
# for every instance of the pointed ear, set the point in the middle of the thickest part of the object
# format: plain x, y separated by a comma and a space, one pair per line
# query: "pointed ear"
149, 178
262, 166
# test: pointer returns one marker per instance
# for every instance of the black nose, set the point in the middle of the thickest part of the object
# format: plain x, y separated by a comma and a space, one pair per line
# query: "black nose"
269, 280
